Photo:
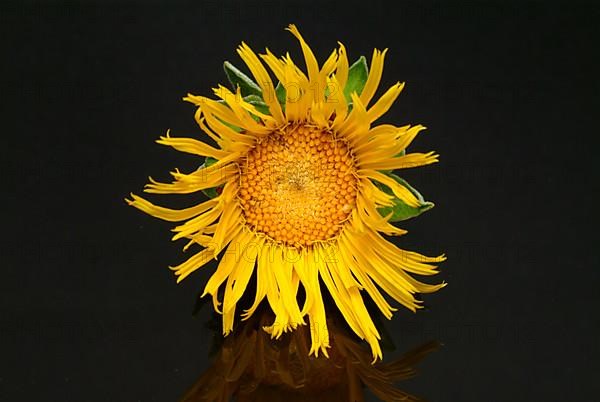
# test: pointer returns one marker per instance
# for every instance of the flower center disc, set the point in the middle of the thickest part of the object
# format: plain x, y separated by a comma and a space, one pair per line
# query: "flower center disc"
299, 186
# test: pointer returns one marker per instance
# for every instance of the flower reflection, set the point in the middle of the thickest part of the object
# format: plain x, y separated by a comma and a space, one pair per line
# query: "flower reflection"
249, 366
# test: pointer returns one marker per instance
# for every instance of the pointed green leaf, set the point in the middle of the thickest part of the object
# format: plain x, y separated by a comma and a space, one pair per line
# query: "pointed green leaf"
237, 78
281, 94
209, 161
258, 103
357, 78
400, 210
231, 126
209, 192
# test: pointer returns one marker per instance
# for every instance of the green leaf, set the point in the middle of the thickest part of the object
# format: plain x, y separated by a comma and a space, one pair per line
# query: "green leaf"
209, 161
231, 126
357, 77
258, 103
209, 192
237, 78
400, 210
281, 94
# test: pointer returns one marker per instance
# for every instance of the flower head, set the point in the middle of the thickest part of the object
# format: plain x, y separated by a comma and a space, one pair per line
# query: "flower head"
301, 194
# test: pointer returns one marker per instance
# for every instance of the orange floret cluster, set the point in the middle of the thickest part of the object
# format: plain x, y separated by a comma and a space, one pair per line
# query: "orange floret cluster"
298, 186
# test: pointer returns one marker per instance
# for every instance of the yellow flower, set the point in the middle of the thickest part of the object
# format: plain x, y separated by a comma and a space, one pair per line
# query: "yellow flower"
306, 194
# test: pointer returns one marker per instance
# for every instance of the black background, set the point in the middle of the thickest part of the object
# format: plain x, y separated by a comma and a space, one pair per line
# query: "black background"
508, 91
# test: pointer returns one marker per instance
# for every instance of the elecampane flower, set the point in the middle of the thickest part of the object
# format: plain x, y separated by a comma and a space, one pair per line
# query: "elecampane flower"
305, 194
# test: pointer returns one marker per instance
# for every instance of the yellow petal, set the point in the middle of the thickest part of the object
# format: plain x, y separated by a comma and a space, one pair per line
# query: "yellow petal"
239, 278
192, 264
399, 190
311, 61
385, 102
228, 261
374, 77
341, 72
191, 146
167, 214
264, 81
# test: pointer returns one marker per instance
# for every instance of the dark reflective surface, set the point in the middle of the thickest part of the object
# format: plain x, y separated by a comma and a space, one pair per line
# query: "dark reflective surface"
249, 366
